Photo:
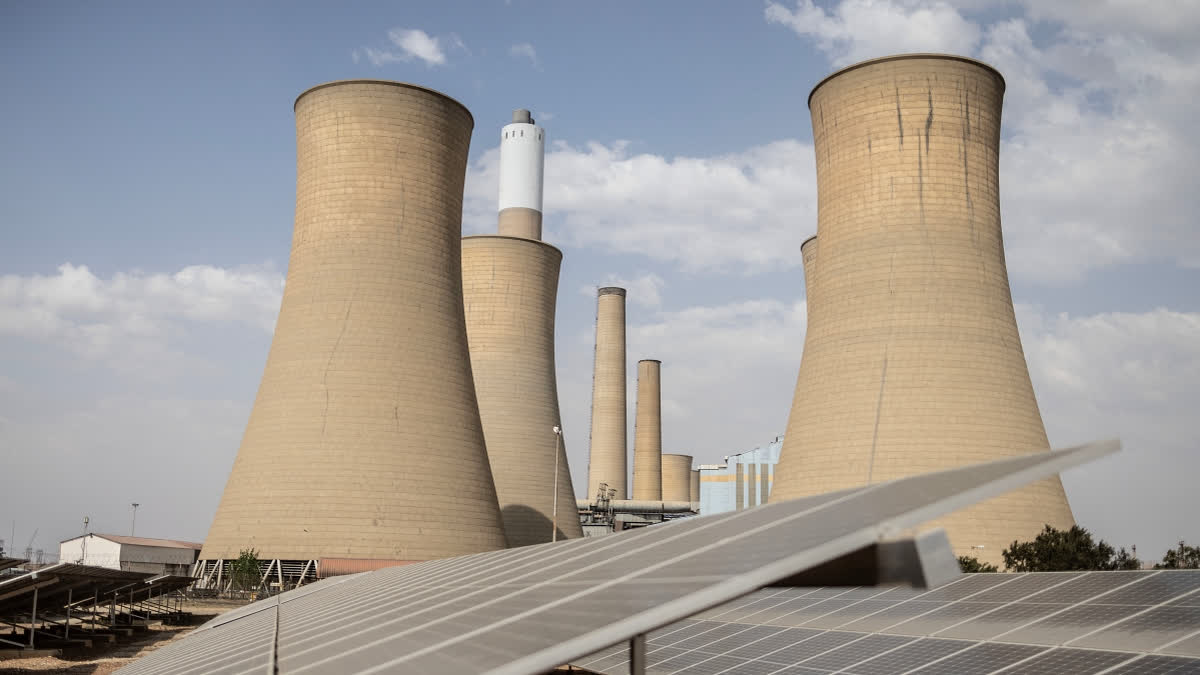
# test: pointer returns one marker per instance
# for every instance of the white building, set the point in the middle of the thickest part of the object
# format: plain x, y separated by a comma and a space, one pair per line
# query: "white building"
133, 554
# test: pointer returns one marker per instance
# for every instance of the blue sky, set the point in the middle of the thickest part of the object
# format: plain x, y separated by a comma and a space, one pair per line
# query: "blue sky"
147, 188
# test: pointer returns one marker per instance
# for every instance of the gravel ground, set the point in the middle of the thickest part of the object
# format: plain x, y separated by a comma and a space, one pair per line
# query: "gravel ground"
122, 652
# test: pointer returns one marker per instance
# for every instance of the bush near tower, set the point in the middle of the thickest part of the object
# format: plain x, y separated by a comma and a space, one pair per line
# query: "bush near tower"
1057, 550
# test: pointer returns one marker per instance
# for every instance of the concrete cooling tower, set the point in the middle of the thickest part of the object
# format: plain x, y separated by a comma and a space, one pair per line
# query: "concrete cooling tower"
647, 433
912, 361
607, 456
510, 286
677, 478
522, 158
694, 487
365, 441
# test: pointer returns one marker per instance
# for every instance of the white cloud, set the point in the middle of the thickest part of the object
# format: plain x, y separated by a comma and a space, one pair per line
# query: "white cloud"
1099, 144
94, 316
643, 290
1127, 375
854, 30
742, 212
525, 50
410, 44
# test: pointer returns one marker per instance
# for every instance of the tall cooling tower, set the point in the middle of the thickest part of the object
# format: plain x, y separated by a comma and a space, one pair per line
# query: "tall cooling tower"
607, 456
694, 486
647, 433
677, 478
510, 286
522, 157
365, 440
912, 360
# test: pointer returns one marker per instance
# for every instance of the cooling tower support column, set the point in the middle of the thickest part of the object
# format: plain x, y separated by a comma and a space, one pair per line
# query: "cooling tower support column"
365, 440
647, 433
607, 457
510, 287
677, 478
522, 162
912, 361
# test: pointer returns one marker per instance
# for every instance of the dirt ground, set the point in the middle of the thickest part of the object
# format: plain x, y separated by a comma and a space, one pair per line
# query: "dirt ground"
122, 653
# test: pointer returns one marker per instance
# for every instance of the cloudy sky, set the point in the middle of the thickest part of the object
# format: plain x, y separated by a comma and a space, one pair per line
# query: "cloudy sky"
147, 187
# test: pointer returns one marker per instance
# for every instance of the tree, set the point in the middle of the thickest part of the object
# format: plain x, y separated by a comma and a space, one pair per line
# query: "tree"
244, 572
1182, 558
971, 564
1057, 550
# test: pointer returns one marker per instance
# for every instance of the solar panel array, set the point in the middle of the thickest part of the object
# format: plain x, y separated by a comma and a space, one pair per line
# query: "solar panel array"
529, 609
1053, 622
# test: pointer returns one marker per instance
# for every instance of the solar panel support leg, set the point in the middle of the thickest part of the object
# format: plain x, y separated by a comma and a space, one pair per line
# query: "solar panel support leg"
33, 617
637, 654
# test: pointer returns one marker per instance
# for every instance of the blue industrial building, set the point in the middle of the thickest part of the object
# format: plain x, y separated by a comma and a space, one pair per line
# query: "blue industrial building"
744, 480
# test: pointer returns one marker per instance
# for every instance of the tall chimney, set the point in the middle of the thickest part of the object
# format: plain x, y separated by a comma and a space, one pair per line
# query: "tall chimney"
676, 478
647, 434
607, 461
912, 361
365, 440
522, 160
510, 287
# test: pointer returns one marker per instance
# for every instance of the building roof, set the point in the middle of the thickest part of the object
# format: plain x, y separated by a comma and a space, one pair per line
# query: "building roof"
142, 541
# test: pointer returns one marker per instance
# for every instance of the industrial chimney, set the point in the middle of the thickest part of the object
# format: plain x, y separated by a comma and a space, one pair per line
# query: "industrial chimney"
510, 286
912, 361
676, 478
365, 441
522, 158
607, 456
647, 432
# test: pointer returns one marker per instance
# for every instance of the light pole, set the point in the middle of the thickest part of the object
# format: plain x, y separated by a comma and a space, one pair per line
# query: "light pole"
554, 511
133, 524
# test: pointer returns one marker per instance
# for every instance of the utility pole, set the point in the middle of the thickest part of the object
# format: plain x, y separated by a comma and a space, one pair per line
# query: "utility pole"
554, 512
134, 523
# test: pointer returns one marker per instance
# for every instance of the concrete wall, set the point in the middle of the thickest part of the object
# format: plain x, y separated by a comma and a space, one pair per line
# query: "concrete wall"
365, 439
608, 452
912, 361
676, 478
647, 434
510, 286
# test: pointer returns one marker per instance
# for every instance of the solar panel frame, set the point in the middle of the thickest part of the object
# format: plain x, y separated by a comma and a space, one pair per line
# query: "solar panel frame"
507, 607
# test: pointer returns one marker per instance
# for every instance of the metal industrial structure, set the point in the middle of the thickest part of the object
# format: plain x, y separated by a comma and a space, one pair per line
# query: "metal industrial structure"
510, 286
912, 361
676, 478
647, 432
607, 454
365, 442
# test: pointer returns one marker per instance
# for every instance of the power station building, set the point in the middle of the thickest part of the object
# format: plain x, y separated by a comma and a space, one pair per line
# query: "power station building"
912, 361
608, 452
365, 447
743, 481
510, 287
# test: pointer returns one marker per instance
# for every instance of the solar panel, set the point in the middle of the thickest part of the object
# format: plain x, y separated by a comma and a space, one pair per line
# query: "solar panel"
1022, 635
534, 608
